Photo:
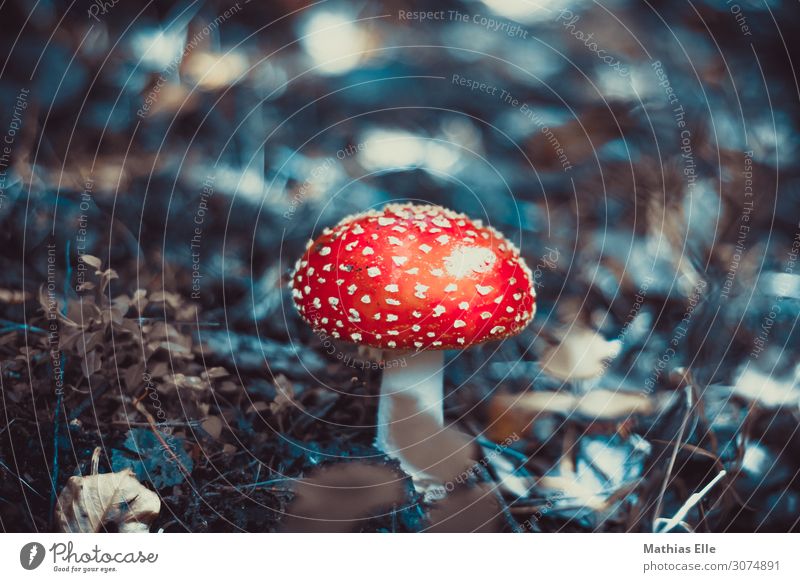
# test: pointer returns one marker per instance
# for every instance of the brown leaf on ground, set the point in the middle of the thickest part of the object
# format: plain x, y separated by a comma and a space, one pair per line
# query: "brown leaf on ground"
515, 413
582, 353
93, 502
91, 260
285, 399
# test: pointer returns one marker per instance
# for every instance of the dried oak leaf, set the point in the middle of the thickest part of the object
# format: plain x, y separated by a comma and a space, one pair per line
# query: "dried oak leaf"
87, 504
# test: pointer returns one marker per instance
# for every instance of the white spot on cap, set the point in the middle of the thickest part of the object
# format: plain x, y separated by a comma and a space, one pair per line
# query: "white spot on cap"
443, 239
464, 305
484, 289
399, 261
419, 290
391, 344
497, 329
327, 267
431, 334
392, 288
393, 332
351, 246
398, 229
415, 327
357, 229
367, 251
464, 261
310, 271
438, 310
333, 301
418, 344
339, 323
386, 221
461, 340
416, 314
451, 287
324, 320
510, 309
356, 336
377, 315
373, 271
354, 315
517, 296
317, 303
425, 248
437, 272
413, 271
325, 251
436, 344
306, 289
339, 281
391, 301
485, 315
393, 240
351, 288
391, 317
459, 323
365, 299
441, 221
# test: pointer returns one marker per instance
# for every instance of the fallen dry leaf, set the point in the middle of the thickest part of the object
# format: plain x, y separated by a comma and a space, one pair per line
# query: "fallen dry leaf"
91, 260
582, 353
90, 503
613, 404
514, 413
213, 425
285, 399
575, 492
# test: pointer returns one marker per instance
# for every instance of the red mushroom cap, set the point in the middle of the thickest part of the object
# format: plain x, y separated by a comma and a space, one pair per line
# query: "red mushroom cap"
413, 277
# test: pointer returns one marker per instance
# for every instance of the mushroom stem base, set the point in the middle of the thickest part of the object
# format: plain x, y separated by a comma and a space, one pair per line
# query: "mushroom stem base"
410, 411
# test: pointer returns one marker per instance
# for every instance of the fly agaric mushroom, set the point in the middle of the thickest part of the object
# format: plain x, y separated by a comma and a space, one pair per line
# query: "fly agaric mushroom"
413, 280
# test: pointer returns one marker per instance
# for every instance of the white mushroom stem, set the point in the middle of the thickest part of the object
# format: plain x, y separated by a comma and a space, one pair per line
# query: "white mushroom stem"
410, 408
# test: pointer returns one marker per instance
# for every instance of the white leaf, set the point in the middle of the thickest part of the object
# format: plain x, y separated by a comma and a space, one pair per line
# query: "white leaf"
87, 504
